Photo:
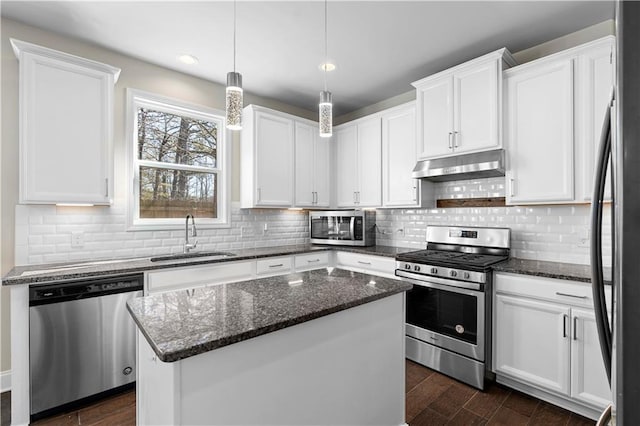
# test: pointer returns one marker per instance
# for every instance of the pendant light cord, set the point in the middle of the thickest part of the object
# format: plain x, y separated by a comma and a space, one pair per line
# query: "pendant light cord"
326, 58
234, 35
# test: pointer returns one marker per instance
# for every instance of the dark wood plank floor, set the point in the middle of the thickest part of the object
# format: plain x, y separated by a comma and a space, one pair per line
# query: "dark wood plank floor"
435, 399
431, 399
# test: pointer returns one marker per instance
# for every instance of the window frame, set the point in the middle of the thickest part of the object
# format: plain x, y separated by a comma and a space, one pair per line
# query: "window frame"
140, 99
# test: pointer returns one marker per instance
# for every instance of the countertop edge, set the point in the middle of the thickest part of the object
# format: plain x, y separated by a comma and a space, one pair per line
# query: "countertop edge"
122, 268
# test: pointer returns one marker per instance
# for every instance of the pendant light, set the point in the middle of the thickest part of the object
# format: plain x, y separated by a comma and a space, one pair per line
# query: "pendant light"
234, 88
325, 107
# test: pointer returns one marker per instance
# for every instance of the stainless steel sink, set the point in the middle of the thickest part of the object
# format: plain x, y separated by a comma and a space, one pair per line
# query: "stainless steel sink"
208, 254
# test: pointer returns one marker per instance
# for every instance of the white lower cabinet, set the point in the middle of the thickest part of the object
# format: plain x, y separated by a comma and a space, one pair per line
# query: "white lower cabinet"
588, 378
199, 276
365, 263
271, 266
546, 342
310, 261
532, 343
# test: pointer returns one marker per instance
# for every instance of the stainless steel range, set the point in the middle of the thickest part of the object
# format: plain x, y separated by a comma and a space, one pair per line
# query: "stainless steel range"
448, 311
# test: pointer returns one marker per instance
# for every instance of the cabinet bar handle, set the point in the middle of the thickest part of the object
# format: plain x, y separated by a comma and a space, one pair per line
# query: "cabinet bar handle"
313, 261
364, 263
450, 140
570, 295
511, 184
259, 194
575, 328
354, 197
276, 266
455, 139
358, 197
106, 187
565, 317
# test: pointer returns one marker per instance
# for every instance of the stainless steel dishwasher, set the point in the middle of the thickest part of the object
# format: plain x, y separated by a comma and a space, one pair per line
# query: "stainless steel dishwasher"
81, 340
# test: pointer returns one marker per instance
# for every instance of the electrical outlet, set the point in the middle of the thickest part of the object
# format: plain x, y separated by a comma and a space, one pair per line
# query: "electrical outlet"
77, 239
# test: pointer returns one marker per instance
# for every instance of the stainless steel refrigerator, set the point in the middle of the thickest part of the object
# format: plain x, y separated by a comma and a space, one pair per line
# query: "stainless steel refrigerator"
620, 338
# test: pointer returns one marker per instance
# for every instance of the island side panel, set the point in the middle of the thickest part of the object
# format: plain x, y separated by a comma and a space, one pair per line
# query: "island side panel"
344, 368
157, 391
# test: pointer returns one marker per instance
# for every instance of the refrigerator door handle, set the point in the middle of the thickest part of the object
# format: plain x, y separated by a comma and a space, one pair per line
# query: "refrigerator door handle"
597, 279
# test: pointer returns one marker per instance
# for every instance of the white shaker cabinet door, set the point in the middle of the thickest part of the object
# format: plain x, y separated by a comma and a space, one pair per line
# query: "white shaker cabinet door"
532, 342
540, 133
321, 170
399, 158
346, 140
595, 71
304, 181
435, 131
370, 163
274, 160
588, 376
66, 105
476, 108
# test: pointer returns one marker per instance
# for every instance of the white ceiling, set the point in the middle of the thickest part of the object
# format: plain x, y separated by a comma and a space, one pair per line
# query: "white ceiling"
379, 47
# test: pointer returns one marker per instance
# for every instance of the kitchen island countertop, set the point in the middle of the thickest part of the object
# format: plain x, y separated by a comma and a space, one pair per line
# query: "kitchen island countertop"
184, 323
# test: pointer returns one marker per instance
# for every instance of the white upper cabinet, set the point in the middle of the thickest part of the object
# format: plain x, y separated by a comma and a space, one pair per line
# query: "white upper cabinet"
311, 166
459, 109
358, 163
399, 157
66, 127
595, 79
555, 109
540, 133
266, 158
346, 170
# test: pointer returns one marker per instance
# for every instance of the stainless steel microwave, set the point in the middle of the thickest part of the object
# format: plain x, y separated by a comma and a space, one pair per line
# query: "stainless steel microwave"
345, 228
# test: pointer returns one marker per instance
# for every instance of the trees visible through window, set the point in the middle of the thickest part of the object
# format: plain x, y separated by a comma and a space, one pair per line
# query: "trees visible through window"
178, 163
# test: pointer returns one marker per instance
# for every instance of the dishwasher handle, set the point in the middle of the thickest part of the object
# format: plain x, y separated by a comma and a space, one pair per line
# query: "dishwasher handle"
44, 294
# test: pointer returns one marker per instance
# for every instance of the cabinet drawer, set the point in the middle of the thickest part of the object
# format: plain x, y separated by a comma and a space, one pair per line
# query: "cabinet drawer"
366, 263
560, 291
273, 266
306, 262
199, 276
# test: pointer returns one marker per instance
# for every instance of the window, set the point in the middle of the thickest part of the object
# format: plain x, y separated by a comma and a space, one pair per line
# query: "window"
178, 161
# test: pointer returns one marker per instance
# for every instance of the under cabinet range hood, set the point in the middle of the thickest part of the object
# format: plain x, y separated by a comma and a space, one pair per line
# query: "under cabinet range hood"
466, 166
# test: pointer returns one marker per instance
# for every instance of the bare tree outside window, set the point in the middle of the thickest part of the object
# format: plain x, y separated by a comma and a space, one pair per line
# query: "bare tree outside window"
170, 190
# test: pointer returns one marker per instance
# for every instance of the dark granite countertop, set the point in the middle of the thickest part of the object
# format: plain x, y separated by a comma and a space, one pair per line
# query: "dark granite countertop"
185, 323
46, 273
558, 270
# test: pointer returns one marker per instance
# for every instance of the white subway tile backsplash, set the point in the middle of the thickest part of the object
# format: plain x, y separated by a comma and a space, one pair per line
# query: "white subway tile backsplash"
554, 233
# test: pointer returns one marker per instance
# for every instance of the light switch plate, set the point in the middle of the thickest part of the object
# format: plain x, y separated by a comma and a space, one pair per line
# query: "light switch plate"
77, 239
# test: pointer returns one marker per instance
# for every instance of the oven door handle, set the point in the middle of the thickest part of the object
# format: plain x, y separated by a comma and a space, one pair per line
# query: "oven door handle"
441, 283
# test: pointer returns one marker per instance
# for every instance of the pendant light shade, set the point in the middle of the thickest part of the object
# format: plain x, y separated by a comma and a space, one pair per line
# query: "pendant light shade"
233, 97
325, 114
234, 101
325, 107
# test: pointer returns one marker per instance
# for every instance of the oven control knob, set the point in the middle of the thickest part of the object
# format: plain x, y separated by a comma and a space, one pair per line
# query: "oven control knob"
453, 273
434, 271
407, 266
466, 275
416, 268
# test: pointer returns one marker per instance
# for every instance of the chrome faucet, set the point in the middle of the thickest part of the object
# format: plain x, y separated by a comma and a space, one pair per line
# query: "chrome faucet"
194, 233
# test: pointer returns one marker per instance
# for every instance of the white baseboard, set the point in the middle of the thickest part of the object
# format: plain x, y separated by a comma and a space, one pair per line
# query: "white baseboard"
5, 381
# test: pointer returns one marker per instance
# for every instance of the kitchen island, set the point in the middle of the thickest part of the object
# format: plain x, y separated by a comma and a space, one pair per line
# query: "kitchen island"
318, 347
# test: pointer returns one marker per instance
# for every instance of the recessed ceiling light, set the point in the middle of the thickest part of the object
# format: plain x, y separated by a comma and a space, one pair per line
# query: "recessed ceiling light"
327, 66
188, 59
